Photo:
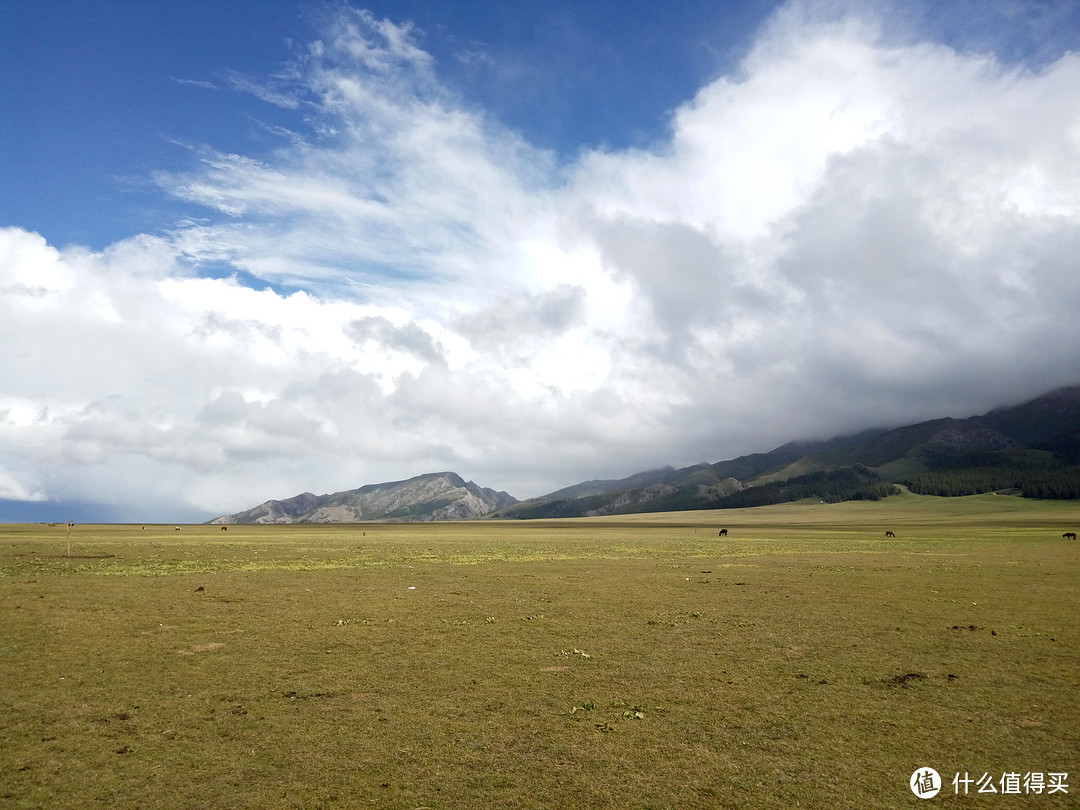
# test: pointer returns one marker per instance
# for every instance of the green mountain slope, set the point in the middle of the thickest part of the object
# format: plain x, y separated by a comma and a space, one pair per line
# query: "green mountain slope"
1032, 448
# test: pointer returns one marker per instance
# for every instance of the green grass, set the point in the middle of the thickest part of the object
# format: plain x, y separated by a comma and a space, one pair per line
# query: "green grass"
803, 661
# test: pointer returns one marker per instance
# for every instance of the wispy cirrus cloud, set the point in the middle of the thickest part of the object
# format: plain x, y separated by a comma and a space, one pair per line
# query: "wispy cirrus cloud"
195, 83
262, 89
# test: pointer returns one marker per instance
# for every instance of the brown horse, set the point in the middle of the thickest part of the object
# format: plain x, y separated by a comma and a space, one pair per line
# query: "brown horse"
723, 533
224, 528
890, 534
1069, 536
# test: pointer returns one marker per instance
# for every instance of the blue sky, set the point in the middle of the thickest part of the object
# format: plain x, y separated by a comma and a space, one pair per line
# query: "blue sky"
250, 249
109, 91
105, 92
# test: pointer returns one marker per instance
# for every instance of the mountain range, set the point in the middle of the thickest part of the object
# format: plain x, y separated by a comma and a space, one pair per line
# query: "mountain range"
434, 496
1031, 449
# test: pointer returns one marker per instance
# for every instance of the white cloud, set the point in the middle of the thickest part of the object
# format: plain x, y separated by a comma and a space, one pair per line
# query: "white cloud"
853, 230
205, 85
13, 490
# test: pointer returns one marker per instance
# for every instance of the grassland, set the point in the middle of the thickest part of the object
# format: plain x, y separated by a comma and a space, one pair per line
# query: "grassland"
643, 662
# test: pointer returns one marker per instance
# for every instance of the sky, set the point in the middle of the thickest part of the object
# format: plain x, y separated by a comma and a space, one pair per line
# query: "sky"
251, 249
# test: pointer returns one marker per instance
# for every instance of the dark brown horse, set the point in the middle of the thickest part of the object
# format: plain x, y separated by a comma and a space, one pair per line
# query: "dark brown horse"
890, 534
1069, 535
723, 533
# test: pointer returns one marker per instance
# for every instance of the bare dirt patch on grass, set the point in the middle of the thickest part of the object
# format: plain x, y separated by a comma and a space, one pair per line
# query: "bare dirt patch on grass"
201, 648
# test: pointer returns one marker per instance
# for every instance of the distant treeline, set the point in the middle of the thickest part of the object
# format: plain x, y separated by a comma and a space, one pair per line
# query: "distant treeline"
1036, 474
856, 483
562, 508
1061, 484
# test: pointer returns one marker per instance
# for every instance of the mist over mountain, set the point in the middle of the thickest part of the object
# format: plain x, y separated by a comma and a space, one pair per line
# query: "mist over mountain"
1030, 449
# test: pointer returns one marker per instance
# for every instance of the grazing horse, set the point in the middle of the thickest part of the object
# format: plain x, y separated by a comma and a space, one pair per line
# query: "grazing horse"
224, 528
176, 529
890, 534
1069, 536
723, 533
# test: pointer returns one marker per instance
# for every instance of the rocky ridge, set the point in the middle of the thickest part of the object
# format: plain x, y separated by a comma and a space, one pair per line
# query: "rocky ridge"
434, 496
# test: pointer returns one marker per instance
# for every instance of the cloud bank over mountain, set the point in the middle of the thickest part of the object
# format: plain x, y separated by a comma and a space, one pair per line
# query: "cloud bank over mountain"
858, 227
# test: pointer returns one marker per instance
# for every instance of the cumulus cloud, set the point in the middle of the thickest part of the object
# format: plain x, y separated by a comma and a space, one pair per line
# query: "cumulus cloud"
14, 490
409, 339
532, 317
853, 229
